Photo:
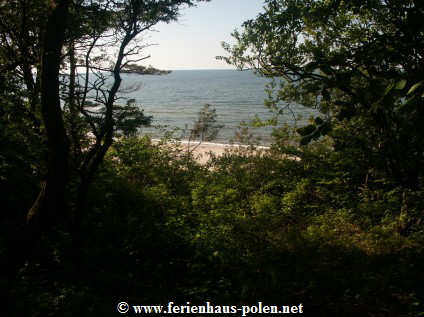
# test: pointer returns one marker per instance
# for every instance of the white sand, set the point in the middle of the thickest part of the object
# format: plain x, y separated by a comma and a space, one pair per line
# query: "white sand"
203, 151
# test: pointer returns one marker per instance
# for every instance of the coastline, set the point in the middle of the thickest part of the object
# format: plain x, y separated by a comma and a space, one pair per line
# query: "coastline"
202, 152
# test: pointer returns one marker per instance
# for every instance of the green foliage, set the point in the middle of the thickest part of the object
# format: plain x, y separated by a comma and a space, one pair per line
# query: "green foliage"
129, 119
21, 154
357, 63
332, 224
205, 127
247, 226
143, 70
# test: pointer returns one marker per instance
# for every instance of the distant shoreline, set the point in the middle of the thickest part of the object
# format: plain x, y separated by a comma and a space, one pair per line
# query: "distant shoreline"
203, 69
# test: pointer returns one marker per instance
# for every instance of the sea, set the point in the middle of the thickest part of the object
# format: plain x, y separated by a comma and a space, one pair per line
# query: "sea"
174, 101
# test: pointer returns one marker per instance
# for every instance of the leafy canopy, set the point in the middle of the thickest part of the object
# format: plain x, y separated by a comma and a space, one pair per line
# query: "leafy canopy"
359, 62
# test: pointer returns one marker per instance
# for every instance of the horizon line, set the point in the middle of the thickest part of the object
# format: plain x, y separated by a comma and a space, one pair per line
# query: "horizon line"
208, 69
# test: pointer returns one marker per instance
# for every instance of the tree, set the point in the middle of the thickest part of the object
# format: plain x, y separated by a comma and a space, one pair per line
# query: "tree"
45, 60
143, 70
205, 127
359, 62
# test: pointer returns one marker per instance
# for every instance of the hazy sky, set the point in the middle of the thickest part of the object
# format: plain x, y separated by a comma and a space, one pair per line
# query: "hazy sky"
194, 42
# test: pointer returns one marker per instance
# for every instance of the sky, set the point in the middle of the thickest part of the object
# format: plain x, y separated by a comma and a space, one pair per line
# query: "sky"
195, 40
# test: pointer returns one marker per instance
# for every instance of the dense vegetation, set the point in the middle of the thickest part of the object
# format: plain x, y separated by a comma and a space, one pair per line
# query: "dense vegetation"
330, 217
240, 230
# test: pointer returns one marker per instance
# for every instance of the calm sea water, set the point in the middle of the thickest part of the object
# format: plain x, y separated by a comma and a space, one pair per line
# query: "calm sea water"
174, 100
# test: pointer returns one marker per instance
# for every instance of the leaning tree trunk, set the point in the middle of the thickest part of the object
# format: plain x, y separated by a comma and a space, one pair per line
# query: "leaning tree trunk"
50, 203
104, 139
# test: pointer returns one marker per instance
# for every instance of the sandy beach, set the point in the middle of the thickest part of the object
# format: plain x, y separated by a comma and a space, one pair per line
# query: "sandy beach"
203, 151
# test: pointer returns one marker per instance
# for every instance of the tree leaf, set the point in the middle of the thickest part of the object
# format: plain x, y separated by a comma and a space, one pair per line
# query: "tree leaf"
318, 121
400, 84
413, 88
325, 128
316, 135
409, 104
325, 94
306, 140
306, 130
388, 89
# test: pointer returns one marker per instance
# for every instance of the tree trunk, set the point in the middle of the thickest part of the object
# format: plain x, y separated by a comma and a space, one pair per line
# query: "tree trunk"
50, 203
